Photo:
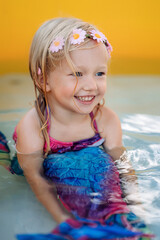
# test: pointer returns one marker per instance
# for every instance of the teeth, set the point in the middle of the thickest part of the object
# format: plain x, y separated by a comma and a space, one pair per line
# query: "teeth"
85, 98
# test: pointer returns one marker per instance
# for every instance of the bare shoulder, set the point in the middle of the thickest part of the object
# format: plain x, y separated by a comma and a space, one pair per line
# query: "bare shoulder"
29, 138
108, 116
110, 128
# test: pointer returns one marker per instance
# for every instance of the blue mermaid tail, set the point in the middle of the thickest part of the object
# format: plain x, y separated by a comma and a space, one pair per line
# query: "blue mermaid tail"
79, 230
87, 183
11, 165
40, 237
4, 152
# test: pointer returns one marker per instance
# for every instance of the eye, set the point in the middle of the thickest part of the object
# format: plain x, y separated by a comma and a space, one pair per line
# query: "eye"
99, 74
78, 74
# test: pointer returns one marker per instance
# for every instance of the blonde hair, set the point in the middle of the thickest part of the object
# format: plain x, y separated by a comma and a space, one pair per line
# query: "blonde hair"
43, 59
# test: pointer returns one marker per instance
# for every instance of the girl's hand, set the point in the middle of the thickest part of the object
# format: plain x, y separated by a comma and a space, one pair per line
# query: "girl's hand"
64, 217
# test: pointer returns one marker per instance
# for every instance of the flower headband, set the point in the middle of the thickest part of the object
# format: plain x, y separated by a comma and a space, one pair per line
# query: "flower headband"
77, 37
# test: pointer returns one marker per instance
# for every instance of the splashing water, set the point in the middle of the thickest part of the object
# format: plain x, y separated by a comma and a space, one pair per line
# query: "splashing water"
142, 139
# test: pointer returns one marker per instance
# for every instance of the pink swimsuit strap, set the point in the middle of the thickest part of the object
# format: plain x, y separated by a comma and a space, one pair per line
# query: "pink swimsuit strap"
94, 122
14, 136
59, 146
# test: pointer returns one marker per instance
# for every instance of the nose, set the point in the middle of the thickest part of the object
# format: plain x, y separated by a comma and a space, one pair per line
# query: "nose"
90, 83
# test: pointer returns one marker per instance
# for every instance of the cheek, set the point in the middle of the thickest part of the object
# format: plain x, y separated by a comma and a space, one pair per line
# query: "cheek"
103, 87
67, 90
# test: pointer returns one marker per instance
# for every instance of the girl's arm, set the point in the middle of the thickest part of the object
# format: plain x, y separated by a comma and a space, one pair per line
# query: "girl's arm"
30, 148
110, 129
112, 133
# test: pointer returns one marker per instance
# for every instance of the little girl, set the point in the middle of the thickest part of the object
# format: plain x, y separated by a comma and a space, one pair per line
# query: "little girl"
66, 145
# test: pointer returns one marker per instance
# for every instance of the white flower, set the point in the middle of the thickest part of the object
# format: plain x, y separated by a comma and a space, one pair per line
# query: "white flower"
56, 45
78, 36
100, 37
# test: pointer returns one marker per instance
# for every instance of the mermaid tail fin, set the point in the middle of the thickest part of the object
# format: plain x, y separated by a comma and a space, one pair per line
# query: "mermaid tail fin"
4, 152
15, 167
90, 229
11, 165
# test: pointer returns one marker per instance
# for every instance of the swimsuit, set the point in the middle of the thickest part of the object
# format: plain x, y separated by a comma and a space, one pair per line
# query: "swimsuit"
61, 147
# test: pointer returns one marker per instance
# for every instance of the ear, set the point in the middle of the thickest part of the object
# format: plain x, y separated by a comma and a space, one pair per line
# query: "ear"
48, 89
41, 83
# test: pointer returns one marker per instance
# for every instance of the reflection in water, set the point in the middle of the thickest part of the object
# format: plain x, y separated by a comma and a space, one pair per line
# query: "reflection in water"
142, 140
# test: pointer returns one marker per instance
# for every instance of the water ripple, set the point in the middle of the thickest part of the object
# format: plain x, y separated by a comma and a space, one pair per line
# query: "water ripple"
142, 140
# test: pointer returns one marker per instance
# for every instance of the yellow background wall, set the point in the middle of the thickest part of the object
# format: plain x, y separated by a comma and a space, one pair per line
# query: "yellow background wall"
131, 26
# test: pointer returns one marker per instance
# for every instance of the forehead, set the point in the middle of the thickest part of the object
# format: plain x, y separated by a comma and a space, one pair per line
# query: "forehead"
91, 54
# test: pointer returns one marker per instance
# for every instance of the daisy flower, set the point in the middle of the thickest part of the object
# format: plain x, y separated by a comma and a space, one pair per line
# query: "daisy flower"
78, 36
109, 48
108, 45
100, 37
56, 45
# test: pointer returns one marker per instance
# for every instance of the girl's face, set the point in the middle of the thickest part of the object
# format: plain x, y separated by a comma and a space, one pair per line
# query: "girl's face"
91, 70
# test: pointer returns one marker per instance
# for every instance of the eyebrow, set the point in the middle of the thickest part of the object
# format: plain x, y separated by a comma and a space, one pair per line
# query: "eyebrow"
83, 66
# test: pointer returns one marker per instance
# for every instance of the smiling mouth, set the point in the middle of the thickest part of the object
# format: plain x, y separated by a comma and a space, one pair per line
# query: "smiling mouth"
85, 98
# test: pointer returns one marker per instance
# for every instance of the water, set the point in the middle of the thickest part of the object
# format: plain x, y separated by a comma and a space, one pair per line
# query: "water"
136, 100
142, 139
